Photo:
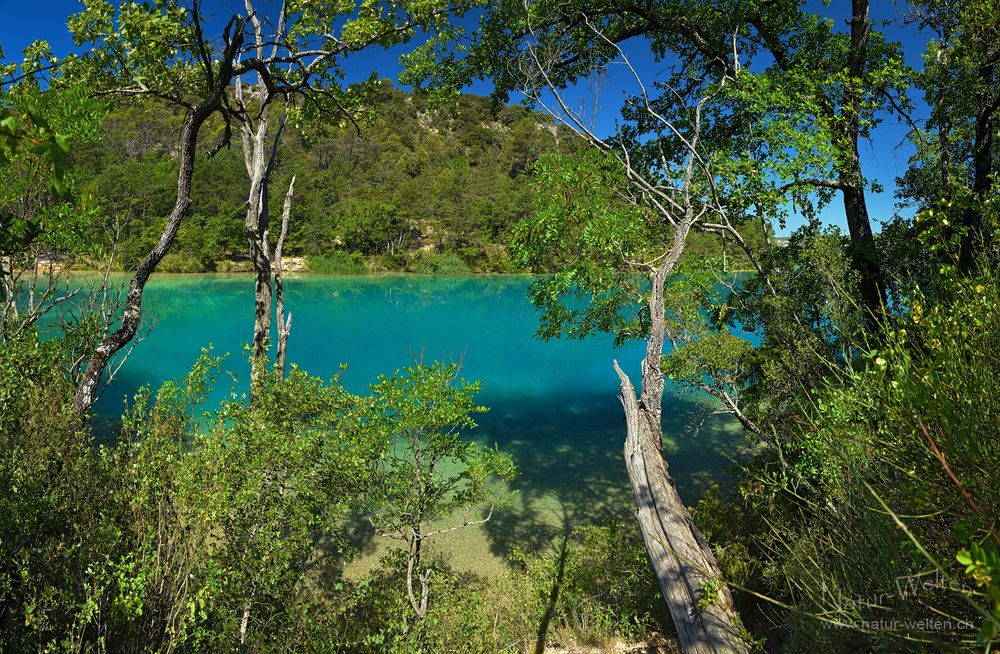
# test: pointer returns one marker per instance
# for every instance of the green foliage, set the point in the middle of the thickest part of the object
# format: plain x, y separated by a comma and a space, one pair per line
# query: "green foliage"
873, 503
596, 585
55, 498
804, 312
196, 531
431, 474
168, 539
337, 263
600, 249
704, 352
982, 566
890, 455
417, 178
447, 263
580, 229
36, 129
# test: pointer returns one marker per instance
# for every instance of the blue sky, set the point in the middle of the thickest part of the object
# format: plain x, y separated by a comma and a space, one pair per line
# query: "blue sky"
883, 159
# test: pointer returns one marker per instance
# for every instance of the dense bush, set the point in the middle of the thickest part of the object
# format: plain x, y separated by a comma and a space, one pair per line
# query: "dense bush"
203, 532
447, 263
875, 526
337, 263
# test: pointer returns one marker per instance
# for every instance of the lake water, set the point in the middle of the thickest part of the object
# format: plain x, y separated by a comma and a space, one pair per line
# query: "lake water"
553, 405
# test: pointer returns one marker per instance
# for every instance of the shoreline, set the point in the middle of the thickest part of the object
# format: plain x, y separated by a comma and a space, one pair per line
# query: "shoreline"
290, 274
307, 273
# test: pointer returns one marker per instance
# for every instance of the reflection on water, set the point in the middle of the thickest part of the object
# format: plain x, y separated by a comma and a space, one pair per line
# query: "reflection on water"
553, 405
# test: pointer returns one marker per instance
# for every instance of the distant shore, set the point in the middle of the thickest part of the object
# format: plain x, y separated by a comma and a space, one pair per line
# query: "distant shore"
299, 266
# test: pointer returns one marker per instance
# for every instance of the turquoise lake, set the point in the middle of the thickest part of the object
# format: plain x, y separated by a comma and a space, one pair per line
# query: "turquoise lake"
553, 405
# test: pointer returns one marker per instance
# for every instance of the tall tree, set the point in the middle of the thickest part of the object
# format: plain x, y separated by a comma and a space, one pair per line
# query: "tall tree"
806, 91
614, 227
957, 145
761, 103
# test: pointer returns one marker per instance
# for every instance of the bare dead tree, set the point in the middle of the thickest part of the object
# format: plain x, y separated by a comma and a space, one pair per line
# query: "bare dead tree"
252, 113
284, 323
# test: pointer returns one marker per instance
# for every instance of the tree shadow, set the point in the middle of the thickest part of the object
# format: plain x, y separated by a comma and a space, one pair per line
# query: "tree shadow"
568, 448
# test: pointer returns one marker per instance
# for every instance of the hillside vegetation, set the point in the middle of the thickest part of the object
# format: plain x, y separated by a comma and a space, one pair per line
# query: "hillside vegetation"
418, 188
415, 188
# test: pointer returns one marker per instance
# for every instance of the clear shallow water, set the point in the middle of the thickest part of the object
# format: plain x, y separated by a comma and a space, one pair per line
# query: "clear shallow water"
553, 405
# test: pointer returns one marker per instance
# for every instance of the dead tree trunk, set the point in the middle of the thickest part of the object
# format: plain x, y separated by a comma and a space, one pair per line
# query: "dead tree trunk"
260, 162
689, 576
260, 157
284, 324
86, 392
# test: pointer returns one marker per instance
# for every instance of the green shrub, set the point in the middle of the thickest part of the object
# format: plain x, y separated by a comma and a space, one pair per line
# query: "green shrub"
879, 528
184, 262
234, 266
391, 262
337, 263
447, 263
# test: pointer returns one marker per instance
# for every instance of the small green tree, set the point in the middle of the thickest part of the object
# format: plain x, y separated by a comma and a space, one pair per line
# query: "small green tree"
39, 215
431, 480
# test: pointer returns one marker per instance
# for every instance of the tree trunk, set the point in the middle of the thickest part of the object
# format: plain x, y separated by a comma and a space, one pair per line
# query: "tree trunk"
256, 231
681, 559
703, 615
284, 325
864, 257
86, 392
413, 565
260, 160
982, 161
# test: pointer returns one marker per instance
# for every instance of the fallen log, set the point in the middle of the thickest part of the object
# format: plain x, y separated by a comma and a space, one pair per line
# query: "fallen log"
699, 602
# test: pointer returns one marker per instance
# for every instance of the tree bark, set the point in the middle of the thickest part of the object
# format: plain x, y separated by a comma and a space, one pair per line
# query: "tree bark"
864, 256
863, 253
260, 158
256, 230
284, 325
413, 564
982, 161
86, 392
681, 559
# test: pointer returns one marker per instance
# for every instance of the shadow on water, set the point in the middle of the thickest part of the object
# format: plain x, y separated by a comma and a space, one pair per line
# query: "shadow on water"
568, 450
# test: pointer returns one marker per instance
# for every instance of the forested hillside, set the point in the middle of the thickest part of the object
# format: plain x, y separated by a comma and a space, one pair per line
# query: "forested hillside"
861, 512
432, 189
397, 191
